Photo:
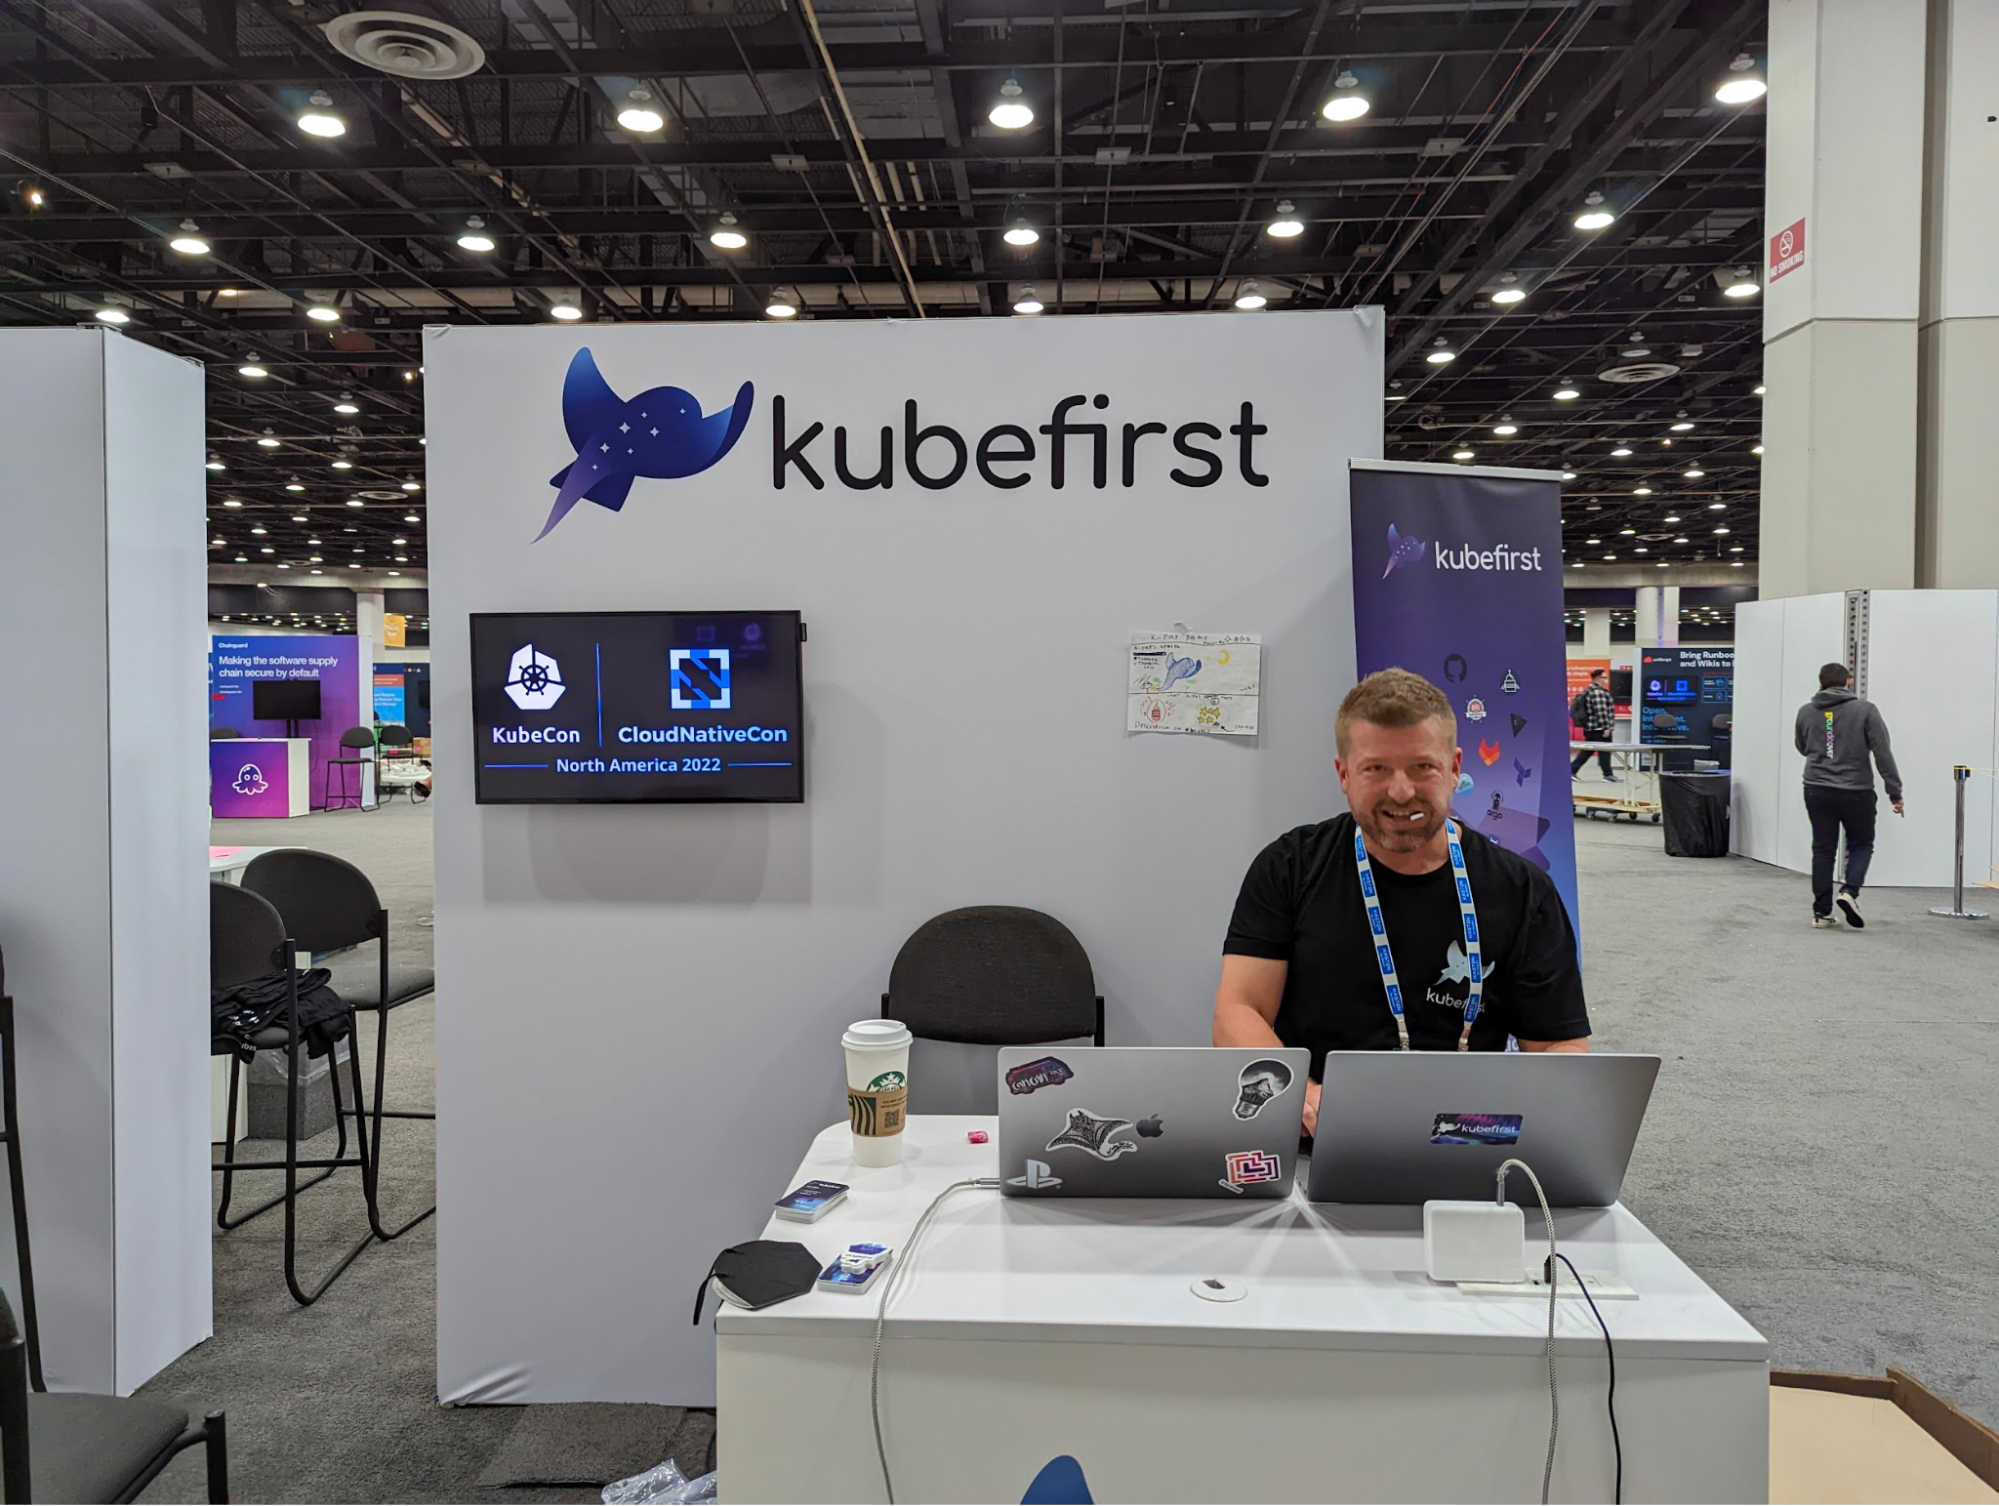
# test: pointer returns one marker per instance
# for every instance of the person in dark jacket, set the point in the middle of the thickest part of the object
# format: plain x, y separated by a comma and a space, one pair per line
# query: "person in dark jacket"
1839, 734
1596, 713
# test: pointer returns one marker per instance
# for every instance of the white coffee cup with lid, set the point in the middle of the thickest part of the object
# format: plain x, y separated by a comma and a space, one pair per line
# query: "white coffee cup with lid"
877, 1089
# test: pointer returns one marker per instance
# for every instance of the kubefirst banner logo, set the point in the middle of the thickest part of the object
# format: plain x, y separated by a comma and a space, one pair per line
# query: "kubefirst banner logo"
1405, 551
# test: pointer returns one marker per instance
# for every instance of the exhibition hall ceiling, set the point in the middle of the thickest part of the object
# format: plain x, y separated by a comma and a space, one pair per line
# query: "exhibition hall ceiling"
288, 191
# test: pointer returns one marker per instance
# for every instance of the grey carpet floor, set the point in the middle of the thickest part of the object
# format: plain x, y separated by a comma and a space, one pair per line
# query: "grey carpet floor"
1820, 1148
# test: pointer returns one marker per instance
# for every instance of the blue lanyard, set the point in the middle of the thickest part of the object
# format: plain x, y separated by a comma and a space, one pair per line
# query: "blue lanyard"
1385, 958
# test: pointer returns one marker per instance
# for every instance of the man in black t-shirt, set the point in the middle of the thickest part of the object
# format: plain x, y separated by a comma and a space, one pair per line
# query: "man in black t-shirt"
1299, 967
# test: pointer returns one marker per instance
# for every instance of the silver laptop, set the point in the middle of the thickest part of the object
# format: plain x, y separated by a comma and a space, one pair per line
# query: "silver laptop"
1150, 1121
1408, 1126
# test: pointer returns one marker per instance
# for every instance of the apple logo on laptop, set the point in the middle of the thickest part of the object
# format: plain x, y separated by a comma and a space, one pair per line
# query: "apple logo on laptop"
1150, 1128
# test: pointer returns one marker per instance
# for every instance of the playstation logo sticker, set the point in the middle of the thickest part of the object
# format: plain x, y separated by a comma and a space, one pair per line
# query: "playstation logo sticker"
698, 679
662, 433
1034, 1177
534, 681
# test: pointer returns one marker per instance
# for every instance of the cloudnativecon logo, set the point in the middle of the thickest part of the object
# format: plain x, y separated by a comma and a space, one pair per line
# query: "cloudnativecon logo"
1405, 549
662, 433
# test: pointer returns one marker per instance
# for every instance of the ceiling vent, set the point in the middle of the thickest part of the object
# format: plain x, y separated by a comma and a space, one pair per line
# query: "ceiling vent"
1638, 372
403, 45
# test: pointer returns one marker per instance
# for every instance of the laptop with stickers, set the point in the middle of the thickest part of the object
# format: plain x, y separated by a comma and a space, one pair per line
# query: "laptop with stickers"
1408, 1126
1150, 1121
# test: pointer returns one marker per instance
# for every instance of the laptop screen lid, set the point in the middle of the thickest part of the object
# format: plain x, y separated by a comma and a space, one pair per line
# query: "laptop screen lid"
1150, 1121
1406, 1127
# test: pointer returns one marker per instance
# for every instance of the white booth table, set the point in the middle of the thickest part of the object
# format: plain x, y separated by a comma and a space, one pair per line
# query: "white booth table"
1024, 1330
1640, 797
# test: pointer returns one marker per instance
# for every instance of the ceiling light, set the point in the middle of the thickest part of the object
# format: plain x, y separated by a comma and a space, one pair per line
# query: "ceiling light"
1442, 355
1641, 491
1347, 103
267, 549
410, 517
1506, 428
267, 441
1592, 541
232, 502
1622, 452
1756, 449
298, 517
566, 312
1012, 112
1745, 286
1248, 297
1610, 556
1742, 86
242, 559
314, 560
1681, 427
726, 236
1735, 549
313, 542
1508, 294
1717, 507
187, 242
215, 463
352, 565
218, 541
34, 196
398, 541
1735, 564
113, 315
1695, 474
1461, 454
325, 313
1757, 391
1020, 233
355, 502
319, 572
1027, 303
343, 465
1568, 475
1566, 394
1641, 549
780, 307
293, 486
1671, 517
1626, 533
1724, 528
320, 119
1287, 224
1680, 540
1662, 564
412, 486
346, 404
474, 237
1594, 215
252, 372
229, 293
639, 115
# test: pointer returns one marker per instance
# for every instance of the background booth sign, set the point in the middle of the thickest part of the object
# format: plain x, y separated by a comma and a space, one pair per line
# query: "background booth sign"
234, 663
640, 1008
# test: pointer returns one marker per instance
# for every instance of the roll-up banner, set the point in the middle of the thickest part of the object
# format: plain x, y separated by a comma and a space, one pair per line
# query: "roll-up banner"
1457, 576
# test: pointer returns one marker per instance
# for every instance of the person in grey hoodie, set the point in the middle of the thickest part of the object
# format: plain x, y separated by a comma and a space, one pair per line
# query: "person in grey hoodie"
1838, 733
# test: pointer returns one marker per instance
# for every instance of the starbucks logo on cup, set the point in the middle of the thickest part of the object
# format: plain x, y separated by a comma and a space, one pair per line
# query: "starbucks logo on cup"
880, 1108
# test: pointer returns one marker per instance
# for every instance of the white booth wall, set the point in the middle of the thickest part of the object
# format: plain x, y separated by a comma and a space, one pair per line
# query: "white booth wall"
104, 806
639, 1007
1932, 666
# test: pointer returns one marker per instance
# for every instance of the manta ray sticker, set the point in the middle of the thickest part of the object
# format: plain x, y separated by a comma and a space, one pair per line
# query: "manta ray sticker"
661, 433
1095, 1133
1403, 549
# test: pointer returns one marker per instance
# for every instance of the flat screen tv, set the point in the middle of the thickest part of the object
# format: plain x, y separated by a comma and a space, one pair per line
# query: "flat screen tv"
284, 700
637, 708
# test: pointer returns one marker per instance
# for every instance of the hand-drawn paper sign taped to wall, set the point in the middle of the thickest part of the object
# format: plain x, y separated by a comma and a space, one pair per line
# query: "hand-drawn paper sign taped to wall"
1194, 682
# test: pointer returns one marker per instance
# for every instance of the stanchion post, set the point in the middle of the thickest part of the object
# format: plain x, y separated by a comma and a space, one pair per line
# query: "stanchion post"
1961, 774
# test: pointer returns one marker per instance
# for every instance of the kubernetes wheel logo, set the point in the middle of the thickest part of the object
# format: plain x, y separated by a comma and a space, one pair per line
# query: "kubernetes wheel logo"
698, 678
534, 681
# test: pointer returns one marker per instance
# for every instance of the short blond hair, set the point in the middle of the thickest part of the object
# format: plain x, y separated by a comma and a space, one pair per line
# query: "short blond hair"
1394, 698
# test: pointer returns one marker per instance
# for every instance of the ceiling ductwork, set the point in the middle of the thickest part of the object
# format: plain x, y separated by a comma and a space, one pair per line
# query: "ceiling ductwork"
404, 44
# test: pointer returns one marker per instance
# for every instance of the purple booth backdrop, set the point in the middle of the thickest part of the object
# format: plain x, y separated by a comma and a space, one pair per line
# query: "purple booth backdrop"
248, 779
233, 663
1457, 576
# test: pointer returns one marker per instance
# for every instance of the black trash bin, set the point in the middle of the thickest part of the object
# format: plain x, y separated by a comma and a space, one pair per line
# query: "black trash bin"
1695, 812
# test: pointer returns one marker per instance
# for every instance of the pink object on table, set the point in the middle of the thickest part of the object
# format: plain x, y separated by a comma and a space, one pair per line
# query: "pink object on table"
977, 1137
223, 852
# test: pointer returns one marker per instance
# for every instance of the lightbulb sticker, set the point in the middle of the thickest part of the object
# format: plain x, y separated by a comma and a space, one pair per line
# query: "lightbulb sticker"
1260, 1081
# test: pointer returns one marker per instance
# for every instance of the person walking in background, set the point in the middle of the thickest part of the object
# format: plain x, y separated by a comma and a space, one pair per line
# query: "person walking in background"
1596, 713
1839, 733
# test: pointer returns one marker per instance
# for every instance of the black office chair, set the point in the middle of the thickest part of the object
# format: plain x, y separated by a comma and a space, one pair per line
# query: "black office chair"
75, 1447
393, 745
328, 904
10, 1130
247, 940
353, 739
994, 975
221, 734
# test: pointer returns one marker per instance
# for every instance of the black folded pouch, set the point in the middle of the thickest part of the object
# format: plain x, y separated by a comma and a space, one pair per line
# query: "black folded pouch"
760, 1273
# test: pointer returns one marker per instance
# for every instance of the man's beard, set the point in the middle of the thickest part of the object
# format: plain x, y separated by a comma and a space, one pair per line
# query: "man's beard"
1388, 827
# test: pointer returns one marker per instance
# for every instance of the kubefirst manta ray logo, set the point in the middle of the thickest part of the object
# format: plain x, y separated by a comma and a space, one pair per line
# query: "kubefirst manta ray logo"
662, 433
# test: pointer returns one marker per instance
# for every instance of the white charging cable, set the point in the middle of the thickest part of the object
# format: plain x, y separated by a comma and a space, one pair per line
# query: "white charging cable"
896, 1269
1554, 1401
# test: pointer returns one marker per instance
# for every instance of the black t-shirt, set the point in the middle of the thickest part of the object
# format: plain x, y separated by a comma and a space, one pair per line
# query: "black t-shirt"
1301, 904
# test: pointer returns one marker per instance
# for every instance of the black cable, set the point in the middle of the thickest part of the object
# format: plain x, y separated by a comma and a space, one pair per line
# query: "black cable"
1610, 1354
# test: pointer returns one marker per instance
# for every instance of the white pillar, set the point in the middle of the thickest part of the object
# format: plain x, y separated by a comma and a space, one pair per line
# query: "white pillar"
1845, 181
1658, 617
1596, 632
104, 889
1957, 540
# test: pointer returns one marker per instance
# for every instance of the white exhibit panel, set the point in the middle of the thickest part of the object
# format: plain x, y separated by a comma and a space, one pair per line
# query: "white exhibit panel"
1932, 657
103, 568
1814, 636
639, 1007
1757, 737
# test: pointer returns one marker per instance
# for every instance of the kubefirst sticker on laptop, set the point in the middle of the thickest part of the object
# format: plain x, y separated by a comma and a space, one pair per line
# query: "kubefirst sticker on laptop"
1476, 1129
